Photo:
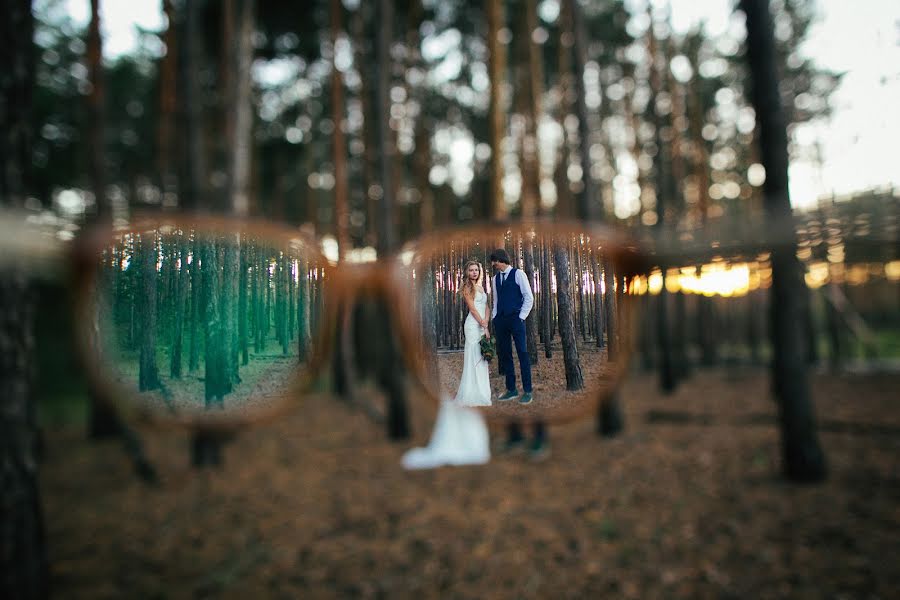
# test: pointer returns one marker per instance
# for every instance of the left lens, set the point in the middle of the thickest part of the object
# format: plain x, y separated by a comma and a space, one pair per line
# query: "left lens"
571, 283
201, 322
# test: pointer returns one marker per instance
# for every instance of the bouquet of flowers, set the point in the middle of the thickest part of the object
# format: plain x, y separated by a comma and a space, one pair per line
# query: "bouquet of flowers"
487, 348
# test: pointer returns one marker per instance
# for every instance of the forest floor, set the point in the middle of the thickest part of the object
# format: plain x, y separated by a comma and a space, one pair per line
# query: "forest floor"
551, 400
687, 503
265, 374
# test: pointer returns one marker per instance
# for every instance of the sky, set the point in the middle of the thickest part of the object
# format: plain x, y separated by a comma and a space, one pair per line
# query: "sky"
860, 38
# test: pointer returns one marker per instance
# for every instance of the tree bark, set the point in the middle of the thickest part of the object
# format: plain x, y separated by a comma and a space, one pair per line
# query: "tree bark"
24, 571
588, 200
574, 377
168, 105
339, 143
496, 116
385, 145
194, 195
180, 302
148, 378
802, 454
610, 420
241, 107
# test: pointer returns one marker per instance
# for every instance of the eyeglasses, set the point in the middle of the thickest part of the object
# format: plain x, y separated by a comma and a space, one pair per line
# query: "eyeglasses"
209, 322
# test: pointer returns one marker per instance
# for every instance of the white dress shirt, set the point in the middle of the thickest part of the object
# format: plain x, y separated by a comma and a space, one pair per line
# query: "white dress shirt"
522, 281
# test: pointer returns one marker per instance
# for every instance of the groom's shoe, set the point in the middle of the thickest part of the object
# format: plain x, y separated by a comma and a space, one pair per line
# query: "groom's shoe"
509, 395
539, 451
526, 398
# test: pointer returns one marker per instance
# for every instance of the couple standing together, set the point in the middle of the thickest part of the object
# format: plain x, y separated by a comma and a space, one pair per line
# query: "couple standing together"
460, 435
513, 301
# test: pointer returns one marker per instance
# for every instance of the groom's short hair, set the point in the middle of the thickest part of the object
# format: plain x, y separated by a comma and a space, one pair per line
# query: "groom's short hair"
500, 255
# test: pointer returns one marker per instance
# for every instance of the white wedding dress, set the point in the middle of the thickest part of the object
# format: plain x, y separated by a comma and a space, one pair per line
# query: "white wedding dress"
460, 435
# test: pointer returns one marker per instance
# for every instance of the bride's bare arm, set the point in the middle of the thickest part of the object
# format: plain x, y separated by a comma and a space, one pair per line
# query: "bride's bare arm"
470, 302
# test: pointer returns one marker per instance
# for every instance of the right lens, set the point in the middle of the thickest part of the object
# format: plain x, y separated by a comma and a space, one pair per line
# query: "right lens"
569, 352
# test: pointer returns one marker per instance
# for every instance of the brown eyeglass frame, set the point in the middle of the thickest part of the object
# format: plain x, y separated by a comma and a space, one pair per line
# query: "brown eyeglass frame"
341, 287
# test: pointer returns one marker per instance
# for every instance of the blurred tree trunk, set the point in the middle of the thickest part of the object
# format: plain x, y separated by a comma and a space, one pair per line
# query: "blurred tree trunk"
667, 380
385, 144
574, 378
676, 197
97, 114
423, 125
24, 571
530, 84
240, 108
362, 50
339, 142
802, 454
565, 207
496, 115
588, 201
391, 378
102, 421
193, 194
168, 105
610, 419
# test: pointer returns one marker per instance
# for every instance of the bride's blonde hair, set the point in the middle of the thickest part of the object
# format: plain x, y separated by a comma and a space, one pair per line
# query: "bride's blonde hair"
468, 287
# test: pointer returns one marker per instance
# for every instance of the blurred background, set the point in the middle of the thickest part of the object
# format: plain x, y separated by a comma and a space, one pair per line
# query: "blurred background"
371, 123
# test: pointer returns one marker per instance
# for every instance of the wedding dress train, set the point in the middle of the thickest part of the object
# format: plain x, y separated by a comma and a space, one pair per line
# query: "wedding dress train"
460, 435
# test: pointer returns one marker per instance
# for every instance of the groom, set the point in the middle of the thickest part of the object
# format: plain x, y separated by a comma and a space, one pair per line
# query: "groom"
512, 303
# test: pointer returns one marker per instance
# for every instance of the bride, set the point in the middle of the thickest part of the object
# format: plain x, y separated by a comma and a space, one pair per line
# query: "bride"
460, 435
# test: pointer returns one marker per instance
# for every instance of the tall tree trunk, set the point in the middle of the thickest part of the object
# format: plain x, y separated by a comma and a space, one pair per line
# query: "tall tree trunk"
339, 143
196, 295
574, 377
303, 302
102, 419
588, 203
596, 275
180, 308
496, 115
360, 25
243, 343
667, 381
531, 324
24, 571
530, 84
546, 300
565, 205
802, 454
385, 144
23, 556
168, 105
241, 107
423, 127
148, 378
389, 379
97, 113
610, 419
193, 195
228, 302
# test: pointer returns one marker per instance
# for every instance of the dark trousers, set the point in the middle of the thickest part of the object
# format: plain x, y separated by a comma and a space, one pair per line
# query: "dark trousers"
515, 433
506, 327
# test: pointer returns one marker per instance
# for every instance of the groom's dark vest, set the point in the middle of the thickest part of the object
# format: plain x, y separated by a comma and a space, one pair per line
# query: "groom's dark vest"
509, 296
